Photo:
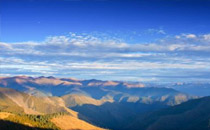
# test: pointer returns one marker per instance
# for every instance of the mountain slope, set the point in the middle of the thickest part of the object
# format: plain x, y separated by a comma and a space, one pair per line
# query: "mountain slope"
29, 104
194, 114
7, 104
55, 121
114, 115
8, 125
72, 100
21, 103
67, 122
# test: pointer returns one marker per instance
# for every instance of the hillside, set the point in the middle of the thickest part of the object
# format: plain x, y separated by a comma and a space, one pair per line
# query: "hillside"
114, 115
15, 101
8, 125
7, 104
67, 122
72, 100
55, 121
194, 114
26, 110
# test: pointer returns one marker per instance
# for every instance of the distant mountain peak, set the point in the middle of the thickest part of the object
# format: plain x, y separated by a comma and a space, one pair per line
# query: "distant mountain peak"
50, 77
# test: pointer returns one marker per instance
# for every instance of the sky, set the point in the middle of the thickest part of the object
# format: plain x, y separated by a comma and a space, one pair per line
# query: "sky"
131, 40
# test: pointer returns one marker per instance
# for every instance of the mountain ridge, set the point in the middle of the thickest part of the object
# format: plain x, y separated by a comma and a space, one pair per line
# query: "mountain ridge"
108, 104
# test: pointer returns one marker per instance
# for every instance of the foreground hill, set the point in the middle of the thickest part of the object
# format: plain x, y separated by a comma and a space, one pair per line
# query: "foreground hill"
30, 112
191, 115
63, 121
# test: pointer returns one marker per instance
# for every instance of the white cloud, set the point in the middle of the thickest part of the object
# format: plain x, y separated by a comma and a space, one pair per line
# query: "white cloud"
82, 47
207, 37
190, 35
155, 31
88, 46
77, 54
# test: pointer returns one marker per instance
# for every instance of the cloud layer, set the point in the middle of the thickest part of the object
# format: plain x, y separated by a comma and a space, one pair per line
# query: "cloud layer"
182, 57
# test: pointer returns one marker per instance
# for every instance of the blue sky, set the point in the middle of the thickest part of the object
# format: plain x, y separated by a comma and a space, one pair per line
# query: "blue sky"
135, 40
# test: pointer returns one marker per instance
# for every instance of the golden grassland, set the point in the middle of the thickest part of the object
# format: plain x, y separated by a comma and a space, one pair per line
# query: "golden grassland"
56, 121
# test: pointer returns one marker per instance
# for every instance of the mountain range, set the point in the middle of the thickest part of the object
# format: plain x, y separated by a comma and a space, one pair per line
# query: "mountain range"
69, 103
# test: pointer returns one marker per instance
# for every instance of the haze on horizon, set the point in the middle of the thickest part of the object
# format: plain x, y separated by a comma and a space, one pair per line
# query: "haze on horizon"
132, 40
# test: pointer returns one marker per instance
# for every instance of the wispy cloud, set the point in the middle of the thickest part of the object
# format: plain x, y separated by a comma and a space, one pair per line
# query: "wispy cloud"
85, 55
155, 31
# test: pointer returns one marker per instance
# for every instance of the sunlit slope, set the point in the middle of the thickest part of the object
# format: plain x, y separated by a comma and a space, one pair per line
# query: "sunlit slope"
22, 104
72, 100
67, 122
63, 121
12, 100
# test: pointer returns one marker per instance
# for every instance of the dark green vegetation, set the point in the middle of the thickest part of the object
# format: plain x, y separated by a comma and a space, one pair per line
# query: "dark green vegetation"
39, 121
8, 125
